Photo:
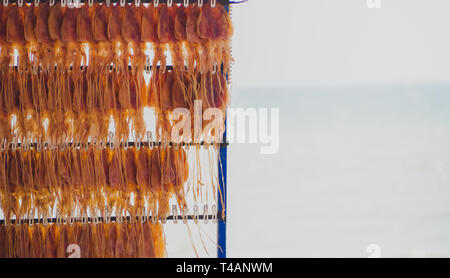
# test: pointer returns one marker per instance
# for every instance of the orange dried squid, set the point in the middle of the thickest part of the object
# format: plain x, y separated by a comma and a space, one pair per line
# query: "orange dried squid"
78, 68
77, 240
133, 181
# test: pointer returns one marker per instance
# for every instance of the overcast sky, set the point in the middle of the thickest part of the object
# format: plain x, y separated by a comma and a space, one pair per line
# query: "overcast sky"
295, 43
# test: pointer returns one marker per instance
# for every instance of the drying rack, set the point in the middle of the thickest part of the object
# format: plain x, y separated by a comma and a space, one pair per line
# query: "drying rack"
221, 217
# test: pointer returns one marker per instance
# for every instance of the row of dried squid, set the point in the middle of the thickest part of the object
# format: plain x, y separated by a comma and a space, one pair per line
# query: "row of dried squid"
103, 182
101, 240
73, 110
198, 38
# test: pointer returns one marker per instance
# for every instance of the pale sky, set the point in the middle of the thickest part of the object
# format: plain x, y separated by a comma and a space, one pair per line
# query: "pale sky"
294, 43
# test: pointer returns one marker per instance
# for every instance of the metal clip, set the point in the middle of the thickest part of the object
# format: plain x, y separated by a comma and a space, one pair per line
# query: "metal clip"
36, 3
122, 3
213, 3
51, 2
195, 214
39, 144
149, 139
25, 145
20, 3
138, 142
169, 3
107, 216
58, 218
137, 3
156, 3
111, 141
154, 218
175, 214
185, 3
63, 3
14, 144
214, 213
148, 66
143, 217
184, 214
200, 3
90, 3
5, 3
205, 214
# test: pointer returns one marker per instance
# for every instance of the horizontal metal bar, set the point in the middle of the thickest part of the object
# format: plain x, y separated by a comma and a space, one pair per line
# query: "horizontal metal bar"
114, 219
223, 2
130, 145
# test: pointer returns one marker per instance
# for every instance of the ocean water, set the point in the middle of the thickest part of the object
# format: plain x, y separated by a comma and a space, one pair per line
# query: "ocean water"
356, 166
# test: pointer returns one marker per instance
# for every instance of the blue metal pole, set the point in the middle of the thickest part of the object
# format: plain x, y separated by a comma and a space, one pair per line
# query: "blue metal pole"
222, 202
222, 193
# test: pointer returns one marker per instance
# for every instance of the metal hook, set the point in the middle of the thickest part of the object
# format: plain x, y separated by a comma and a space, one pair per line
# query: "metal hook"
90, 3
169, 3
148, 66
205, 214
58, 218
214, 213
175, 214
200, 3
24, 144
107, 216
108, 3
38, 145
138, 142
213, 3
13, 145
36, 3
52, 2
154, 218
149, 139
111, 141
186, 3
137, 3
195, 214
20, 3
156, 3
63, 3
164, 220
184, 214
143, 217
122, 3
5, 3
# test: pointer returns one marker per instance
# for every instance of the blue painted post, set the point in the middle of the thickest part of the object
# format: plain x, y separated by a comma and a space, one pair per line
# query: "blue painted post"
222, 201
222, 193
